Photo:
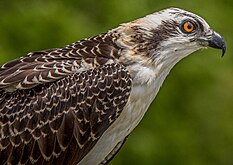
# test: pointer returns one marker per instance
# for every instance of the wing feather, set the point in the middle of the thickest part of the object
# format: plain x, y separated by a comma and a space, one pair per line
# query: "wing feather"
51, 65
60, 122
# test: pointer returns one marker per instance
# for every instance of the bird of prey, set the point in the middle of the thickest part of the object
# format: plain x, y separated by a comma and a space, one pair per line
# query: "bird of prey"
77, 104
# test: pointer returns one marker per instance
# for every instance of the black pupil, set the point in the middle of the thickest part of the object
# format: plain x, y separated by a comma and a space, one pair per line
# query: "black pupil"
189, 26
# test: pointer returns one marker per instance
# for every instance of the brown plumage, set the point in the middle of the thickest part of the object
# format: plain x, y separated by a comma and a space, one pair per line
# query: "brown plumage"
53, 123
51, 65
53, 111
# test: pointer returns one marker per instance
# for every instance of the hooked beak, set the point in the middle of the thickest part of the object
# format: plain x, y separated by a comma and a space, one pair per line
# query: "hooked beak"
218, 42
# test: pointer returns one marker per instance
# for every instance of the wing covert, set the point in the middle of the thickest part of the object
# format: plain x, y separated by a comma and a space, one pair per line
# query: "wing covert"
51, 65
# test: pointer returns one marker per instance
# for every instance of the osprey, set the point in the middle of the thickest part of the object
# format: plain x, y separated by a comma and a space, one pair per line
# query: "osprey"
77, 104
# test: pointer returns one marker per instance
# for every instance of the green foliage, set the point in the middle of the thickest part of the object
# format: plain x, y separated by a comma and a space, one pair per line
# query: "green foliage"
191, 120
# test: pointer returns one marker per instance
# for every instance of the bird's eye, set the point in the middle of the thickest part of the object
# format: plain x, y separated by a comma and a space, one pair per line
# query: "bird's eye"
188, 27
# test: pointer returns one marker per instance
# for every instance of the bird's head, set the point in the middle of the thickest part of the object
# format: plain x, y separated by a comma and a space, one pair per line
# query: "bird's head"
170, 35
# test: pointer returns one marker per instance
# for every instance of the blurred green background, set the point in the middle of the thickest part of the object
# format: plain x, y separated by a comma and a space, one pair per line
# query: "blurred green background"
191, 120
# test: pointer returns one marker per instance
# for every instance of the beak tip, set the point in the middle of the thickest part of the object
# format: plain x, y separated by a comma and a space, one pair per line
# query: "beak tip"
223, 50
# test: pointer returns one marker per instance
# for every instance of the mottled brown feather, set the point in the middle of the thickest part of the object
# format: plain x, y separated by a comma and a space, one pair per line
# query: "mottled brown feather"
60, 122
50, 65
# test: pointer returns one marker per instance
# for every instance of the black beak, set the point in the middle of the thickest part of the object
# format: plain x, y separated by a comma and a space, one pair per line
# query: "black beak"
217, 41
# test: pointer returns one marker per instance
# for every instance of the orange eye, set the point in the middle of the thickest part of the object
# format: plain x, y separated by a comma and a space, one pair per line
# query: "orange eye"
188, 27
